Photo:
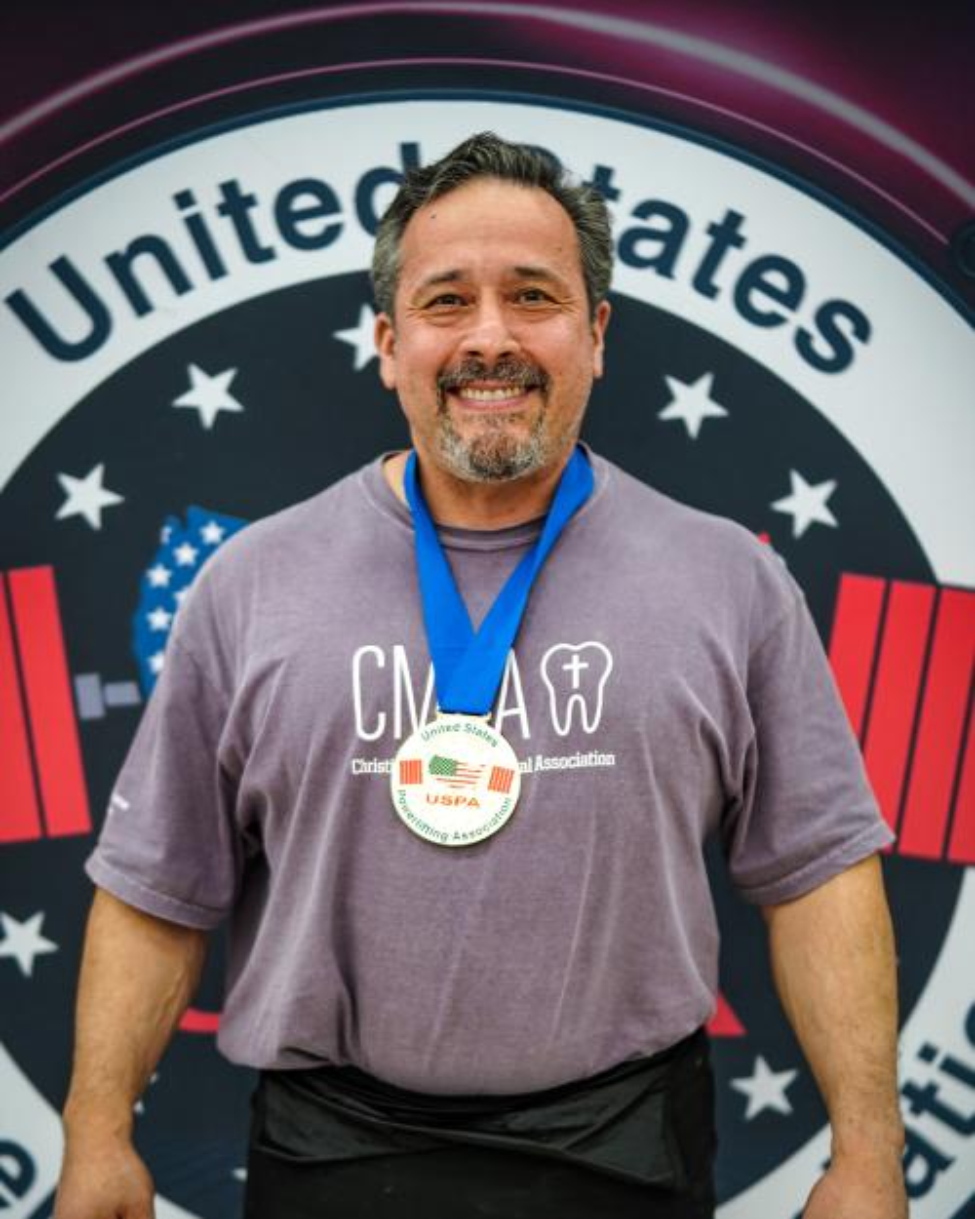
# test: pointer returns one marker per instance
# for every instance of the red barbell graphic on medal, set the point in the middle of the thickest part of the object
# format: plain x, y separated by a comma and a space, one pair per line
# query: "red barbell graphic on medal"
455, 781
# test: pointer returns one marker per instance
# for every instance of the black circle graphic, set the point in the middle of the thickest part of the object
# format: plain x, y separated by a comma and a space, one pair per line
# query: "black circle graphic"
310, 417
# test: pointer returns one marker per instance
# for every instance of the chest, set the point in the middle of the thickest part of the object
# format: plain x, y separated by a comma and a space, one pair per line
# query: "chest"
606, 667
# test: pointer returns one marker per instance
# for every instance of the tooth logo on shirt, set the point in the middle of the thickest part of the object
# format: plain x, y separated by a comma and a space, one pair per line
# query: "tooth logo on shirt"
575, 677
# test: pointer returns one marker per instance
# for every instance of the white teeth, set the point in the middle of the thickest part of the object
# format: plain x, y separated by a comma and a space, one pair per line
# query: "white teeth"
575, 675
491, 395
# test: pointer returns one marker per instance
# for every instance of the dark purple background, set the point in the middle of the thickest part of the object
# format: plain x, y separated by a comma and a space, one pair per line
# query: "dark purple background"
911, 64
910, 67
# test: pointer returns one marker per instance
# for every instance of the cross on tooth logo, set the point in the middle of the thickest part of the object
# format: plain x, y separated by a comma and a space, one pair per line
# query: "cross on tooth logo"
575, 676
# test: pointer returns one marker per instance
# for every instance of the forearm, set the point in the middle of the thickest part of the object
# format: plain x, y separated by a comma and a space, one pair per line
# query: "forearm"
138, 974
834, 965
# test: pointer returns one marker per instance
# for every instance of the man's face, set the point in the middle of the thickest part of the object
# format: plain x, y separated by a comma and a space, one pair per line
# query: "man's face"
491, 351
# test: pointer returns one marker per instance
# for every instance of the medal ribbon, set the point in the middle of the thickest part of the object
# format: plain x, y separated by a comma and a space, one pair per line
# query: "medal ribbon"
468, 665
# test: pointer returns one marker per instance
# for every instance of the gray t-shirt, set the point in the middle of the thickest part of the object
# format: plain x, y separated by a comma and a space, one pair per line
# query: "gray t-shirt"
667, 683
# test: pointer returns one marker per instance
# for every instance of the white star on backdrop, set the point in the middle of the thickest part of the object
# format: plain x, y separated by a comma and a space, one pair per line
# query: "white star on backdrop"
156, 662
23, 941
185, 554
159, 619
86, 496
765, 1089
212, 533
806, 503
691, 403
159, 576
209, 394
361, 337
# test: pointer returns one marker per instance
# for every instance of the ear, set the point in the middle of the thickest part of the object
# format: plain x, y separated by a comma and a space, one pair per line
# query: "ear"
599, 324
385, 339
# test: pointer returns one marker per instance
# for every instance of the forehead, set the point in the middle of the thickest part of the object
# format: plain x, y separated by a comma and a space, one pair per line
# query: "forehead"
486, 227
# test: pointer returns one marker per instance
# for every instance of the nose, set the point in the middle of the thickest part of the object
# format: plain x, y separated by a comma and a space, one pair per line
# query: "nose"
489, 335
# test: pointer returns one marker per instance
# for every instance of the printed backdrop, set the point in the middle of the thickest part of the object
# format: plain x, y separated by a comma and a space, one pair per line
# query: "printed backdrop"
186, 335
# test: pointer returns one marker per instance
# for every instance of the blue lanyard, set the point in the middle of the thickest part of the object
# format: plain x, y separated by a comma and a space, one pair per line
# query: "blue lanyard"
468, 665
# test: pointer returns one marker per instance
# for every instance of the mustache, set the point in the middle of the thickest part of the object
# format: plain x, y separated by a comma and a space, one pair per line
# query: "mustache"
521, 374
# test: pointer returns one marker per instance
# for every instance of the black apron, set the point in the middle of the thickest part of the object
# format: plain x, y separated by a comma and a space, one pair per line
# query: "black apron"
636, 1140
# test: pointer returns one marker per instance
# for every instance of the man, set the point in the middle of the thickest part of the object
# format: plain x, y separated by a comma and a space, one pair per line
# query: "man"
463, 1005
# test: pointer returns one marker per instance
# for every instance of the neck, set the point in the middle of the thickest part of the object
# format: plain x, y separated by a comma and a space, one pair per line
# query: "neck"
465, 505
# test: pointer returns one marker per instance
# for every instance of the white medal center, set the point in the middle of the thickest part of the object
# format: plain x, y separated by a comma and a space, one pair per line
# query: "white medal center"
455, 781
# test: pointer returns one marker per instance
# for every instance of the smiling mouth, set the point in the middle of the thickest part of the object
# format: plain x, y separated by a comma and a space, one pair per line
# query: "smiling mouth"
506, 386
507, 395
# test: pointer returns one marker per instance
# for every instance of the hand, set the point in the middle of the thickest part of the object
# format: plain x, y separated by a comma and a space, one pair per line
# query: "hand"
859, 1189
103, 1179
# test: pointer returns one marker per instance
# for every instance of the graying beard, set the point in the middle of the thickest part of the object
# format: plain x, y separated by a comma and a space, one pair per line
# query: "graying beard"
480, 461
475, 463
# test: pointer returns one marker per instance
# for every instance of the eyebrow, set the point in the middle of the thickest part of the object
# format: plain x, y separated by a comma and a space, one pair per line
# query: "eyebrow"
458, 273
542, 273
442, 277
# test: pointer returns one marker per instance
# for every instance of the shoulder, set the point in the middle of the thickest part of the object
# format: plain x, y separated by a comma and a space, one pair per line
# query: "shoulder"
641, 513
267, 565
699, 554
290, 531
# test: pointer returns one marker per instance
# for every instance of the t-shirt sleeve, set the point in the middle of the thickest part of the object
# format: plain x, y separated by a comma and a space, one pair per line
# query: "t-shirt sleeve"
806, 811
169, 845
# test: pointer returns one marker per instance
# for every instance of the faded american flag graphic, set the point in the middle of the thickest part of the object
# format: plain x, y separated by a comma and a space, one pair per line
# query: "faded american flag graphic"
454, 773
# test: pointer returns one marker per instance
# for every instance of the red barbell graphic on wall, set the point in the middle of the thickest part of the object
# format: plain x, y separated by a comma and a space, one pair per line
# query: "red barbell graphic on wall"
42, 783
903, 654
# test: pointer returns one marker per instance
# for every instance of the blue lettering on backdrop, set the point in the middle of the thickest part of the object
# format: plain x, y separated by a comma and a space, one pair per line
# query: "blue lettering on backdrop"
365, 193
91, 303
602, 180
654, 246
306, 215
766, 292
923, 1159
725, 235
837, 355
292, 219
17, 1172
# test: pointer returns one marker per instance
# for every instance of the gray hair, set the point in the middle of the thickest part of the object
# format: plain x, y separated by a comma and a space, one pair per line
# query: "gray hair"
488, 156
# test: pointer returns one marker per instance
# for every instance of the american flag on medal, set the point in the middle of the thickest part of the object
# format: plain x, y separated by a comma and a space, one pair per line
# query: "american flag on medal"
410, 771
500, 780
454, 773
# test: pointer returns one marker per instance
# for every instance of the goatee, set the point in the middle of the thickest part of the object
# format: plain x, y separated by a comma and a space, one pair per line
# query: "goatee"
496, 453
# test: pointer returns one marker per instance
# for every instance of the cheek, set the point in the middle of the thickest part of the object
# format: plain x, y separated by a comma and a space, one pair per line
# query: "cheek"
416, 384
420, 362
573, 366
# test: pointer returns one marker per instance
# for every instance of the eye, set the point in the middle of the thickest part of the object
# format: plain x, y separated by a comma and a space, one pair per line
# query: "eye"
445, 300
534, 296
